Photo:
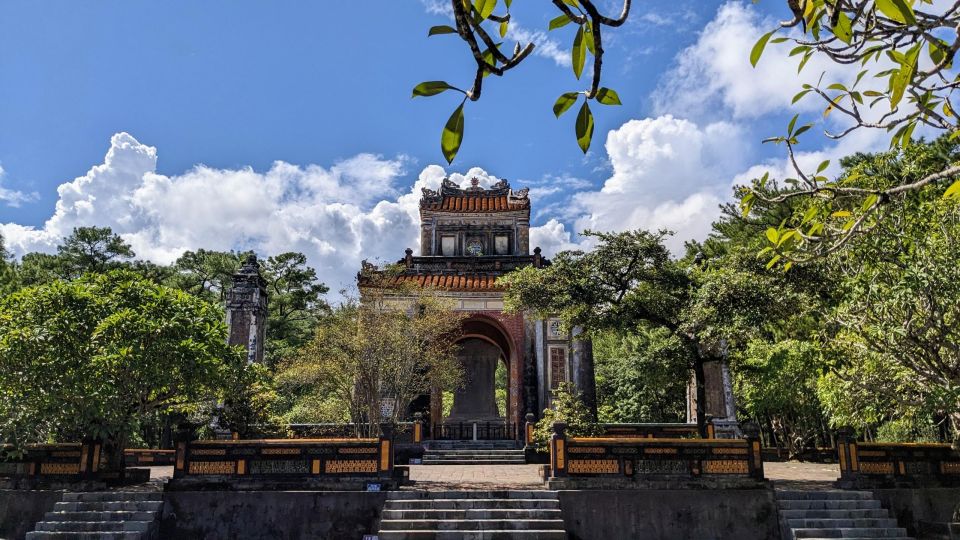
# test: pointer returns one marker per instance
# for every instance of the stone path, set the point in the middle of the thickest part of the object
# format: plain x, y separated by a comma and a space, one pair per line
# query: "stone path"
788, 475
483, 477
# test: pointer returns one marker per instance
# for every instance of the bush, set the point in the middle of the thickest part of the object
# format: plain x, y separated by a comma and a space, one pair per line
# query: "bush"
566, 406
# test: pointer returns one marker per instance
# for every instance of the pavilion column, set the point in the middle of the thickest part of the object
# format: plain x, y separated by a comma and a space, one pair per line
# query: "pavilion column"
582, 369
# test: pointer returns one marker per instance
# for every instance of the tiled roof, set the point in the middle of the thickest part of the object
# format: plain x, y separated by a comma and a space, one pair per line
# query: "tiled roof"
450, 282
479, 203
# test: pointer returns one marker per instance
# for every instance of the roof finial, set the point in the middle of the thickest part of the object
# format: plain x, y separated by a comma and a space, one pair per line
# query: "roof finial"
474, 181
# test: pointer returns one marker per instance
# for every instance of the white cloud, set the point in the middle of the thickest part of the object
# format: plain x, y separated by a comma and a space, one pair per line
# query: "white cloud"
12, 197
716, 71
667, 173
336, 215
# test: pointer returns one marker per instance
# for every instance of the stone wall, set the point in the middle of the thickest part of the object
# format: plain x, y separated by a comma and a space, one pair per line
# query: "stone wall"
20, 510
913, 506
278, 515
661, 514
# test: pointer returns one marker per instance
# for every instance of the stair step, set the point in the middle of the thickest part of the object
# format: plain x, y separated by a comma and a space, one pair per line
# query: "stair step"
835, 514
470, 504
468, 494
828, 523
93, 526
61, 535
473, 513
99, 516
472, 462
826, 494
111, 506
829, 504
470, 524
472, 535
850, 533
113, 496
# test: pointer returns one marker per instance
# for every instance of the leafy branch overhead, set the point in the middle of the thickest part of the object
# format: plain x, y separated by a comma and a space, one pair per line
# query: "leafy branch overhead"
902, 51
478, 20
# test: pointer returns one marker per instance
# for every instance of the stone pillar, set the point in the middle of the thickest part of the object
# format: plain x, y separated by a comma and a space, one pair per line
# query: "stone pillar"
581, 367
247, 310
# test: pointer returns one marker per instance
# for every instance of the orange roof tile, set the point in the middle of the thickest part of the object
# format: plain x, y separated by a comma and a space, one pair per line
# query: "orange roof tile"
474, 282
462, 203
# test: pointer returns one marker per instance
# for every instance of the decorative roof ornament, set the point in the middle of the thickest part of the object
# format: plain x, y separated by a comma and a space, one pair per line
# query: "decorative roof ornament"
453, 198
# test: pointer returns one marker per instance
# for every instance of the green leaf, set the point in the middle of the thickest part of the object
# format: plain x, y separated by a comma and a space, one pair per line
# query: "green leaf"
503, 28
588, 39
608, 96
441, 29
809, 214
799, 96
564, 102
843, 29
772, 235
802, 129
840, 214
823, 166
897, 10
869, 202
786, 267
793, 122
584, 127
452, 134
560, 22
952, 191
484, 7
773, 261
579, 53
431, 88
758, 47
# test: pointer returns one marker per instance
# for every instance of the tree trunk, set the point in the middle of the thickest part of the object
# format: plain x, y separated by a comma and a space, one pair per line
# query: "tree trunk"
700, 381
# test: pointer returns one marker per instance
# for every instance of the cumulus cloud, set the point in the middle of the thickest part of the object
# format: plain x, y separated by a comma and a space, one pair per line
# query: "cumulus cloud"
668, 173
12, 197
716, 71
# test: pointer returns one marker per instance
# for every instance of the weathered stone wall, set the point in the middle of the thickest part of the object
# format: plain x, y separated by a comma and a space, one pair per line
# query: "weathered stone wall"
20, 510
745, 514
912, 506
278, 515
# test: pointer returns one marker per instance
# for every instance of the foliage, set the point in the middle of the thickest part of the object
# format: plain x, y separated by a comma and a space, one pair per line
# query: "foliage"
566, 406
908, 430
476, 21
641, 376
92, 357
394, 344
777, 383
907, 79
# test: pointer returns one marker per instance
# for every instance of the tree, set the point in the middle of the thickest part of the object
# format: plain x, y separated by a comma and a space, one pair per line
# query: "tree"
9, 280
476, 22
92, 249
907, 80
394, 344
641, 376
93, 357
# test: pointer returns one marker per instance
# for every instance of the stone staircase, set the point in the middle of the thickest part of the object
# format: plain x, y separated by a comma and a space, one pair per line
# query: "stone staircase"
835, 514
472, 515
102, 515
473, 453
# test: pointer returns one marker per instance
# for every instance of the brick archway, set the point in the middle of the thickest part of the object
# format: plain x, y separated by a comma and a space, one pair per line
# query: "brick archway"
506, 333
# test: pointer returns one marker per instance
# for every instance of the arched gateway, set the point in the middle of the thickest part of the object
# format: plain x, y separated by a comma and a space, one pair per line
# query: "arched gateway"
468, 238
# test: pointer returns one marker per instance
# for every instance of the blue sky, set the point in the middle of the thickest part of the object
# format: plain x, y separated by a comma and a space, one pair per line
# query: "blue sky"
289, 125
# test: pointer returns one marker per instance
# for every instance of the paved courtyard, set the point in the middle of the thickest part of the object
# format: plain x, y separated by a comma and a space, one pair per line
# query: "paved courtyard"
792, 475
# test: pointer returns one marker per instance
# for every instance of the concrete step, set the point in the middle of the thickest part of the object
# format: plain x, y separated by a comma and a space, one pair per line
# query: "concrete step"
99, 516
112, 506
472, 535
113, 496
60, 535
469, 494
827, 523
473, 513
850, 533
469, 504
828, 504
835, 514
825, 494
470, 524
93, 526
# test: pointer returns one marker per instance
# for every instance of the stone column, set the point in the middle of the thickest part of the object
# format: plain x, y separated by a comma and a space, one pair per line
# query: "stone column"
247, 310
581, 367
